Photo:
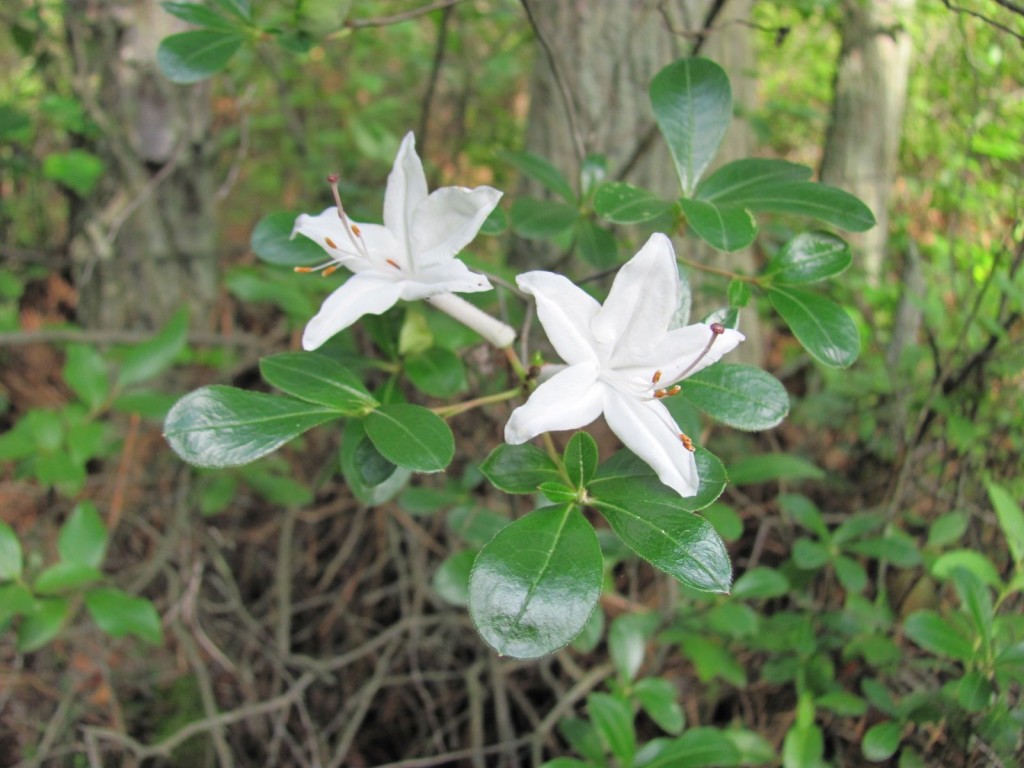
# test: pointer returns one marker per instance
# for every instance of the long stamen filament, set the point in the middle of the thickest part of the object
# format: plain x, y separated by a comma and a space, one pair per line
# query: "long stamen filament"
717, 329
354, 235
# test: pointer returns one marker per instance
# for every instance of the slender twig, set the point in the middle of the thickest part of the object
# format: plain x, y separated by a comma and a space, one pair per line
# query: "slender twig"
398, 18
987, 19
432, 79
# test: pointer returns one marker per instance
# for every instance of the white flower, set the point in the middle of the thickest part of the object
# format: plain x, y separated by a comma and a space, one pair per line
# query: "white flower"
412, 256
622, 358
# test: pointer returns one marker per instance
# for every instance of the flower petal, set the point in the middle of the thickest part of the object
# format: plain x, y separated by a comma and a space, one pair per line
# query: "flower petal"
677, 357
407, 188
648, 430
366, 293
444, 223
326, 230
453, 277
569, 399
643, 298
566, 312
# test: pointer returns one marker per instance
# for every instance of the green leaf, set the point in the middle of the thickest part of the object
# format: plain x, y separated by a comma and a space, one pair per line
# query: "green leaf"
742, 396
882, 740
519, 468
814, 200
83, 537
627, 642
803, 747
76, 169
613, 721
823, 327
85, 371
738, 292
850, 573
223, 427
742, 181
701, 747
411, 437
542, 219
712, 660
810, 555
725, 227
539, 169
60, 577
682, 545
558, 493
318, 379
437, 372
534, 586
580, 459
272, 241
946, 564
451, 579
761, 583
371, 478
843, 703
42, 623
659, 699
947, 529
198, 15
193, 56
1011, 520
15, 599
622, 203
596, 246
692, 103
624, 476
974, 692
773, 466
933, 633
10, 553
146, 359
808, 258
118, 614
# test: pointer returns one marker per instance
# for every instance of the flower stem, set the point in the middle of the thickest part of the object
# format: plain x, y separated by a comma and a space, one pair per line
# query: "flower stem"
715, 271
447, 411
492, 329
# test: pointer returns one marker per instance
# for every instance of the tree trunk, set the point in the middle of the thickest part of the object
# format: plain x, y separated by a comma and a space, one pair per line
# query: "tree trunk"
145, 242
863, 138
605, 54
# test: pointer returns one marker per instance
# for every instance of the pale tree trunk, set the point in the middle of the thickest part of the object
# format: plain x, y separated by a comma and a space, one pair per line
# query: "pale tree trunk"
862, 145
145, 242
605, 54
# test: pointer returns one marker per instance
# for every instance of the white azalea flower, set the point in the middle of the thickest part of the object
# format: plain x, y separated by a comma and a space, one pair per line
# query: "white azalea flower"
412, 256
622, 359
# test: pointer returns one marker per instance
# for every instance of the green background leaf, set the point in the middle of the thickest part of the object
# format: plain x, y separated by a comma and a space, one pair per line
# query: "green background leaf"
823, 327
411, 437
272, 241
189, 57
118, 614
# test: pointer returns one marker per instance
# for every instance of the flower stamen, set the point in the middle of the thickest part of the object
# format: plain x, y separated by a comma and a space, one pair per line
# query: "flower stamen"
352, 230
393, 263
675, 389
686, 441
656, 377
717, 329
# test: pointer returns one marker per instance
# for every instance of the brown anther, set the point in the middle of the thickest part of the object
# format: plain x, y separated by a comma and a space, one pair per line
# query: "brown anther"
656, 377
303, 270
660, 393
393, 263
330, 270
687, 442
675, 389
355, 230
717, 328
330, 243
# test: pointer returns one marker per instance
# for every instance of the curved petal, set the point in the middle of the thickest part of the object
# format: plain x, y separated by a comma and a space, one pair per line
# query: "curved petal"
569, 399
407, 188
444, 223
382, 247
648, 430
643, 298
365, 293
326, 230
453, 277
680, 353
565, 311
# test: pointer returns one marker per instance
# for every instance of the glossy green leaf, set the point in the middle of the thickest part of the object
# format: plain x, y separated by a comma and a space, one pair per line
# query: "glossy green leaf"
773, 466
76, 169
196, 14
318, 379
692, 103
760, 583
622, 203
411, 437
541, 219
143, 361
189, 57
814, 200
10, 553
624, 477
612, 719
660, 700
808, 258
61, 577
222, 426
627, 642
42, 623
118, 614
83, 537
745, 180
85, 371
701, 747
580, 459
596, 246
451, 579
272, 241
540, 169
371, 478
1011, 520
741, 396
823, 327
933, 633
881, 741
725, 227
681, 544
558, 493
519, 468
534, 586
437, 372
